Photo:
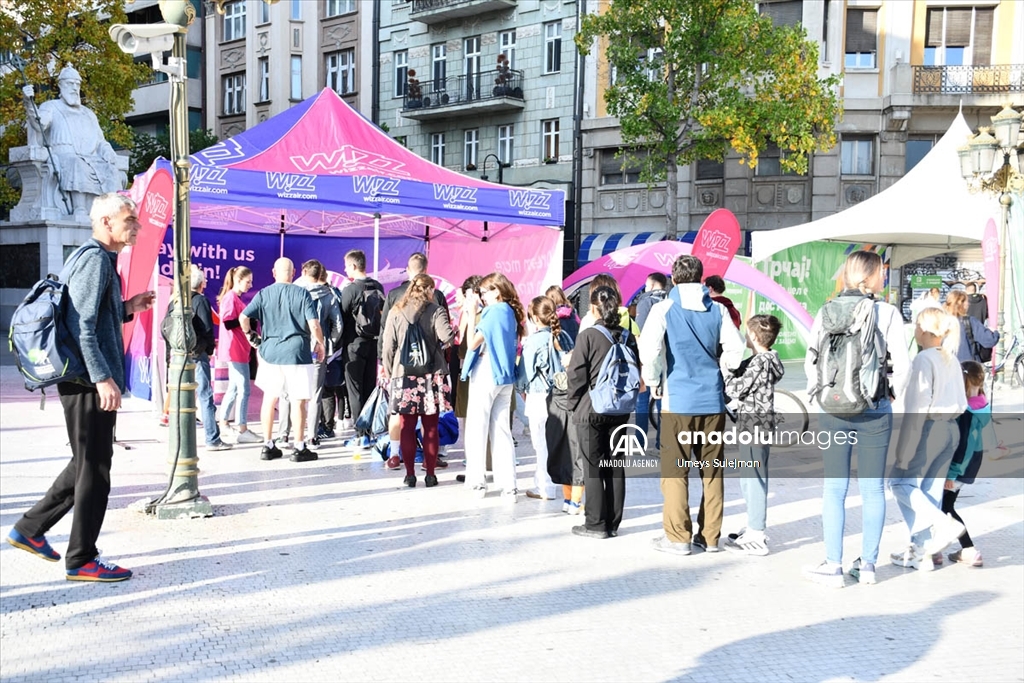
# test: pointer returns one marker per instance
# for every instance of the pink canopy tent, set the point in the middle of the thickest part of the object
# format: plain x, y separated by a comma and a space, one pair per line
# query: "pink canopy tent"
321, 168
631, 266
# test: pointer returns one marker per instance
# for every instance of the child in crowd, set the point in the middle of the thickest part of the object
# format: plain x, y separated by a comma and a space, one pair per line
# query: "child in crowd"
928, 438
539, 369
490, 368
753, 385
967, 456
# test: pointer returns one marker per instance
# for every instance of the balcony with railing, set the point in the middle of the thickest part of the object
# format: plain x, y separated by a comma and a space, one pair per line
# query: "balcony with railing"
465, 95
914, 85
440, 11
957, 80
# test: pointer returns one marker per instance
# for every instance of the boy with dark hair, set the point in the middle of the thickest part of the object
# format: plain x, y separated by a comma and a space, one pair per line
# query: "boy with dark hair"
717, 287
363, 311
753, 385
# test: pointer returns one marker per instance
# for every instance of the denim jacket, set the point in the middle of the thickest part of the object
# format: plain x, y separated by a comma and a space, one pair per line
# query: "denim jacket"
540, 361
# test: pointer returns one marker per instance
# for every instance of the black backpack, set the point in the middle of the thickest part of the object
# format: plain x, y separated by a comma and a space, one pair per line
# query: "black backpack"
979, 352
45, 350
415, 356
366, 312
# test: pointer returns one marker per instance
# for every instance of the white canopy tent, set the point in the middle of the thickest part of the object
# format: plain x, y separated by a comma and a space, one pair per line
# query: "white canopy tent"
928, 211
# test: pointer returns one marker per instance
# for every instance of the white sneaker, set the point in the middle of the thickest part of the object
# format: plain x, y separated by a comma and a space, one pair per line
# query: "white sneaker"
575, 508
943, 535
510, 496
750, 542
479, 490
913, 557
826, 573
247, 437
863, 572
348, 424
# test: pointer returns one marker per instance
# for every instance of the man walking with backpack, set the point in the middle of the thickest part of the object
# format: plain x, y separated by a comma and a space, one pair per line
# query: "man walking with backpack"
362, 304
94, 315
687, 341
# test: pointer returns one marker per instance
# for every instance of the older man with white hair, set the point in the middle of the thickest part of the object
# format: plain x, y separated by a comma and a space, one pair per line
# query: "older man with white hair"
94, 316
291, 339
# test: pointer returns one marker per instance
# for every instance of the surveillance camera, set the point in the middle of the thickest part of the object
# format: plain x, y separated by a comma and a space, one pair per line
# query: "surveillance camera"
142, 39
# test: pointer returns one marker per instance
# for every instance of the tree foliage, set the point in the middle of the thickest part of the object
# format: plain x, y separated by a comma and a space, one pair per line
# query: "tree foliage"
49, 35
149, 147
695, 77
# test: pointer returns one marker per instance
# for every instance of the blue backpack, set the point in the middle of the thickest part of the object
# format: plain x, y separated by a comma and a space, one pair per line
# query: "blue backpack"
618, 382
45, 350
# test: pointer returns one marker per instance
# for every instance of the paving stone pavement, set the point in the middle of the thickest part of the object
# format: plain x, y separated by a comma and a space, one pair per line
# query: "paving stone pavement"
332, 571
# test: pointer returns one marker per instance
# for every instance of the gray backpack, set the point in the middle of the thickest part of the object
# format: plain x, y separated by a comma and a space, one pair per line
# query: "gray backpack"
849, 356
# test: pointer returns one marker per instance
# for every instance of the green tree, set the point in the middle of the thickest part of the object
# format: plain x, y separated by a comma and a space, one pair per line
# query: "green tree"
48, 35
695, 77
149, 147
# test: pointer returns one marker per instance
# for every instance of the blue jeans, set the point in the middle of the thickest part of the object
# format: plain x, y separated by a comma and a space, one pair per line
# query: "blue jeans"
873, 428
643, 414
237, 395
204, 399
754, 485
918, 489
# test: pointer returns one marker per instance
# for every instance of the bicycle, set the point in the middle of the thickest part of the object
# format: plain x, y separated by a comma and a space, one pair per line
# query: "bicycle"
1017, 375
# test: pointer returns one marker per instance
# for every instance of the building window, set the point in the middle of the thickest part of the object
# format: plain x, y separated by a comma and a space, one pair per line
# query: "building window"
471, 50
917, 149
296, 13
234, 20
552, 47
336, 7
437, 148
710, 169
783, 12
958, 36
264, 13
618, 168
193, 62
234, 94
401, 72
506, 140
549, 137
507, 46
769, 162
264, 79
296, 90
341, 71
296, 38
472, 147
858, 155
861, 38
439, 65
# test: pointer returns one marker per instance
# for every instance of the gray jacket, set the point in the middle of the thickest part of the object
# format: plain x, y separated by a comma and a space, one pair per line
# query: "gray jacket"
96, 313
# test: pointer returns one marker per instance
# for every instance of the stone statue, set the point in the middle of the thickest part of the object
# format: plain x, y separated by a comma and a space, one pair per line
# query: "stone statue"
83, 162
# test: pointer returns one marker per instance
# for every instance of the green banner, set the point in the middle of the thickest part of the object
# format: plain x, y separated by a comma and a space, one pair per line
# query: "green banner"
812, 274
925, 281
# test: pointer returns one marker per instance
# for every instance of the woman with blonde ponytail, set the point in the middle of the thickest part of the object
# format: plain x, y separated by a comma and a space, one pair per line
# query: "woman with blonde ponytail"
928, 437
234, 350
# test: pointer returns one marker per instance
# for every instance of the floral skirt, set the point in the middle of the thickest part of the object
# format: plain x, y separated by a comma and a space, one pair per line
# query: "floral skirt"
427, 395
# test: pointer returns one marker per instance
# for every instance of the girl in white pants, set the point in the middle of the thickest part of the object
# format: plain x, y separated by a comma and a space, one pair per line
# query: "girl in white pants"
491, 367
541, 363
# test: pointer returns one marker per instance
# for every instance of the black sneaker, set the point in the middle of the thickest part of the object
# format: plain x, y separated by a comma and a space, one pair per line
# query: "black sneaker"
430, 481
270, 453
305, 455
699, 542
315, 441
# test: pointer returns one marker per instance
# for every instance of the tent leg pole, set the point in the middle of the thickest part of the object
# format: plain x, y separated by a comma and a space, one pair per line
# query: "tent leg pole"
376, 243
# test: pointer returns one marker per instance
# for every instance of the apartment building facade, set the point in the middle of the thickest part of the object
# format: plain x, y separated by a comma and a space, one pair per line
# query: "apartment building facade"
263, 58
907, 67
483, 87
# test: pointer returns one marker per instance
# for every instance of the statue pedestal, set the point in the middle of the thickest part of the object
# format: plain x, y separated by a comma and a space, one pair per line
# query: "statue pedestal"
41, 199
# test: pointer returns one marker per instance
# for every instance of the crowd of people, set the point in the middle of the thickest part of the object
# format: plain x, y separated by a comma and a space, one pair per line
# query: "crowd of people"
324, 352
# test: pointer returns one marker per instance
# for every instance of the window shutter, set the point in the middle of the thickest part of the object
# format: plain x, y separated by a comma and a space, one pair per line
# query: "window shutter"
983, 36
958, 27
860, 30
784, 12
934, 37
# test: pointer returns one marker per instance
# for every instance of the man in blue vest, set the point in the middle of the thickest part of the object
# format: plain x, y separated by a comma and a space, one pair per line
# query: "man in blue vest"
687, 342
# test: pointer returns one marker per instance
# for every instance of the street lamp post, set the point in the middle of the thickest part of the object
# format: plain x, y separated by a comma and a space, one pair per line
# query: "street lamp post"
977, 165
501, 168
182, 497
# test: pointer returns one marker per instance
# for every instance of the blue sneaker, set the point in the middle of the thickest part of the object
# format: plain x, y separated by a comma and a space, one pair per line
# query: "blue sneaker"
38, 546
99, 570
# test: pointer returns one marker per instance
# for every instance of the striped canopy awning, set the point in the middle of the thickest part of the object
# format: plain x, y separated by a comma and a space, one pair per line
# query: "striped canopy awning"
595, 246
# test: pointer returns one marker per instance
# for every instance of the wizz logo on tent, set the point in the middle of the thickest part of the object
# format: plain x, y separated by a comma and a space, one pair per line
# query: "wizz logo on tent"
375, 188
223, 151
348, 160
292, 185
530, 203
455, 196
208, 179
